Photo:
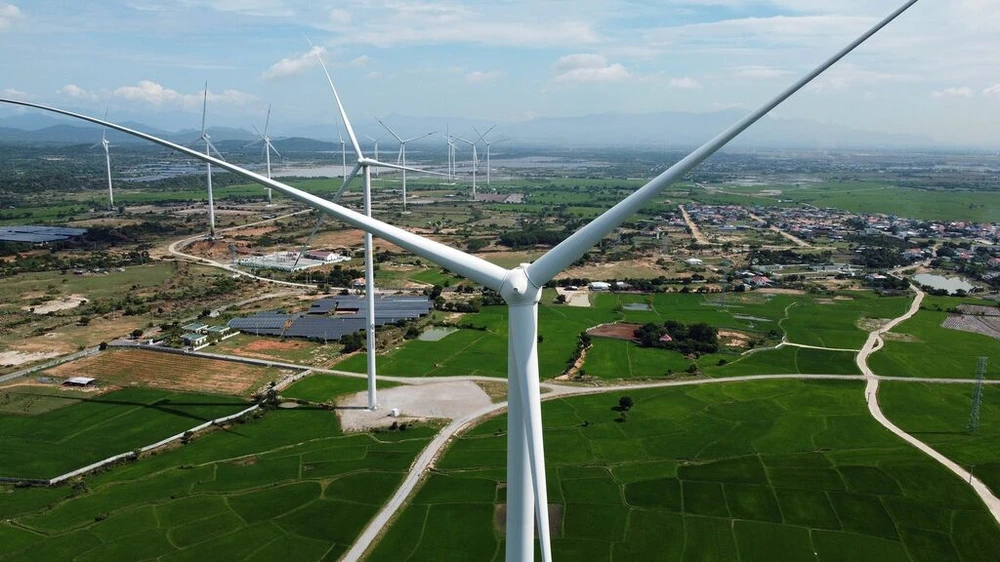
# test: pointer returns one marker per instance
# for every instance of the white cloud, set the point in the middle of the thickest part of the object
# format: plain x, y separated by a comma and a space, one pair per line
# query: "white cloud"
847, 76
479, 76
588, 68
155, 94
759, 72
684, 83
992, 91
960, 92
340, 17
361, 61
8, 13
14, 94
258, 8
74, 91
291, 66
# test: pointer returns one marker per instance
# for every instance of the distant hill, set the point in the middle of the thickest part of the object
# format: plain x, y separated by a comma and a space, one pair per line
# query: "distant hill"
665, 129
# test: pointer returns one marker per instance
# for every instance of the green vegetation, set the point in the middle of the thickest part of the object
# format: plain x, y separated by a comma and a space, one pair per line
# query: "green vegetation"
929, 350
92, 429
290, 485
326, 388
773, 470
939, 415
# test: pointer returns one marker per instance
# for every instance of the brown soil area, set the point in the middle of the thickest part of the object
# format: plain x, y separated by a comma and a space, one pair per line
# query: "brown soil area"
781, 291
274, 345
892, 336
353, 238
734, 339
166, 370
615, 331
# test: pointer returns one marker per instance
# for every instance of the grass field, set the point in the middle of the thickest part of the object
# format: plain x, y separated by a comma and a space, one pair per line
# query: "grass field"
752, 471
290, 486
95, 428
326, 388
938, 414
932, 351
168, 371
832, 323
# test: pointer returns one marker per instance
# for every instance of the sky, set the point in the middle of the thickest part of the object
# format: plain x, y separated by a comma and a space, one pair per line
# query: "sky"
935, 72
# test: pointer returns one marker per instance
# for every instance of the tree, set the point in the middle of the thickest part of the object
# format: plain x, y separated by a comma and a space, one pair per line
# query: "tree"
136, 333
625, 403
561, 299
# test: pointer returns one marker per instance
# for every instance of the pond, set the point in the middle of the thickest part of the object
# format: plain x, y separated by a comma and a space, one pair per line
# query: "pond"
437, 333
950, 284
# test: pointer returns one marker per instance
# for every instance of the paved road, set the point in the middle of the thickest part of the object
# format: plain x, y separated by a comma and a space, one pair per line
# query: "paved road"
876, 343
804, 346
695, 231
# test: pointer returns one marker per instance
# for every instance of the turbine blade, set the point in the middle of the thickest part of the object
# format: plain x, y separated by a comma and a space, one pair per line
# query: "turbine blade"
215, 150
271, 146
267, 122
570, 250
378, 164
340, 106
259, 134
350, 177
421, 136
479, 270
204, 109
391, 132
104, 132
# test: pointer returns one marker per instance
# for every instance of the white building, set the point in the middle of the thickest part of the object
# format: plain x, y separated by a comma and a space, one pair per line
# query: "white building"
694, 261
600, 286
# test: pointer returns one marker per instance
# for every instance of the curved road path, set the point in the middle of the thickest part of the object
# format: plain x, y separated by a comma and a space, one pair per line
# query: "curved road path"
875, 343
175, 250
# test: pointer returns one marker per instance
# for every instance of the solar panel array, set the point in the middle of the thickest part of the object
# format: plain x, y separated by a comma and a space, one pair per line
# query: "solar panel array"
38, 234
318, 323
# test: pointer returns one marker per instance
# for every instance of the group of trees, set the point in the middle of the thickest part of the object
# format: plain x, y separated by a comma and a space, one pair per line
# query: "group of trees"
532, 237
697, 339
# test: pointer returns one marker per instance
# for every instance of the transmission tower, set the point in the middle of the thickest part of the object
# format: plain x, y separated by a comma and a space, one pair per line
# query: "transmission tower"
977, 397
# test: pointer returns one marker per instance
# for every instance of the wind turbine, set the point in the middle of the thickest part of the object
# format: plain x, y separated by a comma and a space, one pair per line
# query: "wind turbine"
268, 147
343, 154
376, 141
107, 161
475, 157
402, 152
209, 148
489, 143
521, 289
366, 164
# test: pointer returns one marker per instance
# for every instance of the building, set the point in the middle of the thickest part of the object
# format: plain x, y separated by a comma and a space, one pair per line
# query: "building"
194, 340
326, 256
220, 331
694, 262
79, 381
195, 328
600, 286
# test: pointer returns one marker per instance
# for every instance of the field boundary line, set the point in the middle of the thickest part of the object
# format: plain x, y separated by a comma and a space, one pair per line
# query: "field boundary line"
49, 364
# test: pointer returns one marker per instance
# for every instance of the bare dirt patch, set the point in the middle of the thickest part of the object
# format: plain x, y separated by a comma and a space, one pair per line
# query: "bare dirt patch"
825, 301
843, 298
64, 303
579, 299
167, 370
872, 324
448, 400
907, 338
781, 291
734, 339
16, 358
352, 238
275, 345
620, 331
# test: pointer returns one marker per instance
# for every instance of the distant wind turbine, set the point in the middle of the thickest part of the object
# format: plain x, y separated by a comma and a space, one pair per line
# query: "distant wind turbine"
402, 152
475, 156
489, 144
209, 148
520, 288
268, 147
107, 160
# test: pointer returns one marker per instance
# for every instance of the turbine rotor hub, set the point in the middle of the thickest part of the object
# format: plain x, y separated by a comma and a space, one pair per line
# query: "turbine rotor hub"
518, 289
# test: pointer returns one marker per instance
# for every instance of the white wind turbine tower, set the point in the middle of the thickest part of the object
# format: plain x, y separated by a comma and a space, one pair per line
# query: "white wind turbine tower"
268, 147
209, 148
107, 161
402, 152
521, 289
475, 157
489, 144
376, 141
343, 153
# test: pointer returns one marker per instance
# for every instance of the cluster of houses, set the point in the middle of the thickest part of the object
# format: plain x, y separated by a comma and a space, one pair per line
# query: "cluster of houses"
198, 334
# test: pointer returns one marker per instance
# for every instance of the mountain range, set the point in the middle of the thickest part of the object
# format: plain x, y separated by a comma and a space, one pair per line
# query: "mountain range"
654, 130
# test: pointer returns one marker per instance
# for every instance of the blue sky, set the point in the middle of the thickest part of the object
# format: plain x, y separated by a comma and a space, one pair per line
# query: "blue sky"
935, 72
